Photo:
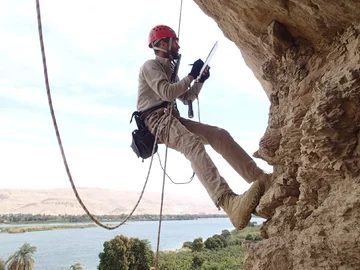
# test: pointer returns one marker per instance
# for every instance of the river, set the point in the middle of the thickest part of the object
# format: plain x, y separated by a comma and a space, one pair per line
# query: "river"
59, 249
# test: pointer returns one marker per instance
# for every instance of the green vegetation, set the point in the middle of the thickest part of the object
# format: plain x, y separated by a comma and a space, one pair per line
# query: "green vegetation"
29, 218
76, 266
227, 258
44, 219
22, 259
124, 253
219, 252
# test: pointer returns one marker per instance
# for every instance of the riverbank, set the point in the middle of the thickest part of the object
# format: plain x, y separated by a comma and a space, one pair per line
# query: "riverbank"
24, 229
35, 224
13, 219
59, 249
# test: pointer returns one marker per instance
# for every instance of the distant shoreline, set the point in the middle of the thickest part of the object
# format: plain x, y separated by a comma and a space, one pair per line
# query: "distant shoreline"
70, 223
14, 219
24, 229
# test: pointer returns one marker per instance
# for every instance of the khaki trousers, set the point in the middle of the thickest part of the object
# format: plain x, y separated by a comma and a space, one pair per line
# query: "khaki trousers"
190, 137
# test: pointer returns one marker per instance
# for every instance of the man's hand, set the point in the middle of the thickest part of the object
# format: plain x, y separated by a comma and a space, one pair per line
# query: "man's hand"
196, 68
205, 75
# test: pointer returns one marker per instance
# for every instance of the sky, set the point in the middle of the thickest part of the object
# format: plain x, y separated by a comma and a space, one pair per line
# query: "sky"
94, 52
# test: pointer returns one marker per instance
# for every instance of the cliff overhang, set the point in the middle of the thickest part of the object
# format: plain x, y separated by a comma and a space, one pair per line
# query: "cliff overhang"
306, 55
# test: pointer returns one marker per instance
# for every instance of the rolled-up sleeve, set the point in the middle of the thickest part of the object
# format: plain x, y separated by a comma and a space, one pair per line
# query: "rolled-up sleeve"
192, 93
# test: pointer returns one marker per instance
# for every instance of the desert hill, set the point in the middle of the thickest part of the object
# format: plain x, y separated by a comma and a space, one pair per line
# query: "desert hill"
99, 201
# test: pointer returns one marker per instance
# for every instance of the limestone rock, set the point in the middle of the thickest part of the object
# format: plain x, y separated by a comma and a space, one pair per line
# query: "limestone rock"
306, 55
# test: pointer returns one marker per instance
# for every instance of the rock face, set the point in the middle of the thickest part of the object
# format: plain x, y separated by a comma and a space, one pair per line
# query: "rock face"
306, 55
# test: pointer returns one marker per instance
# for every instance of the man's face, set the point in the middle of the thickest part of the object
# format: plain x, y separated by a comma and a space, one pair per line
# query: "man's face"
175, 48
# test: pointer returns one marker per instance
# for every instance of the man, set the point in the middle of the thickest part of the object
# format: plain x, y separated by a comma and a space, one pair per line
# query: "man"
156, 95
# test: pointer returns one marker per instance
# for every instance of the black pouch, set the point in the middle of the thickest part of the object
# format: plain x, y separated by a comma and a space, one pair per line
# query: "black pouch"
142, 139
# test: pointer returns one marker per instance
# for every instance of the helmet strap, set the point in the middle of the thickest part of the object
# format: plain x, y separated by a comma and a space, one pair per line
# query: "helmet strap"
168, 51
160, 49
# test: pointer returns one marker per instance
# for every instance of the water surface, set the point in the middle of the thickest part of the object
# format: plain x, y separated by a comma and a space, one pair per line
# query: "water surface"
59, 249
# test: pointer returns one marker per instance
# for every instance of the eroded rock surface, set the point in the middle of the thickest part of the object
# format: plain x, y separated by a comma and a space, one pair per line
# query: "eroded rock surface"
306, 55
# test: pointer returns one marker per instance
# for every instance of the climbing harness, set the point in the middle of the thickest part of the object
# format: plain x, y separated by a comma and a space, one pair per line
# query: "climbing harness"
142, 139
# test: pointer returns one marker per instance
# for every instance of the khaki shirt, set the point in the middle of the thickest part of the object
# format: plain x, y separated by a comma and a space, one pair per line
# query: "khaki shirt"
155, 86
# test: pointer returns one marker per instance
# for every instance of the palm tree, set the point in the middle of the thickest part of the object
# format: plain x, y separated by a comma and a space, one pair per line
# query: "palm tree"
76, 266
2, 264
22, 259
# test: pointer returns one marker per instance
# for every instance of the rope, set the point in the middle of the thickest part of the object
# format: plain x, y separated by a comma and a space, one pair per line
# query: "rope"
60, 142
181, 4
176, 183
164, 169
63, 151
198, 105
163, 187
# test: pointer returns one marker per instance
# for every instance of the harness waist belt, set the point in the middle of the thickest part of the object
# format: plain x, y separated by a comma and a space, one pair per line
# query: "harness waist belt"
147, 112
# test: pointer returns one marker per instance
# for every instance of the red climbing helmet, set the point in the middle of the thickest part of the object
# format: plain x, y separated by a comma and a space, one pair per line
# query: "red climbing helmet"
160, 31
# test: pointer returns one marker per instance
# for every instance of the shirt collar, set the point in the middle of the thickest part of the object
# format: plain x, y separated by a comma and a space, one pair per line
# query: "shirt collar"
165, 61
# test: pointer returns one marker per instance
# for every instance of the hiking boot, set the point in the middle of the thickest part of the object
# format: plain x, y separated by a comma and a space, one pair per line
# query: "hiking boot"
265, 179
239, 207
